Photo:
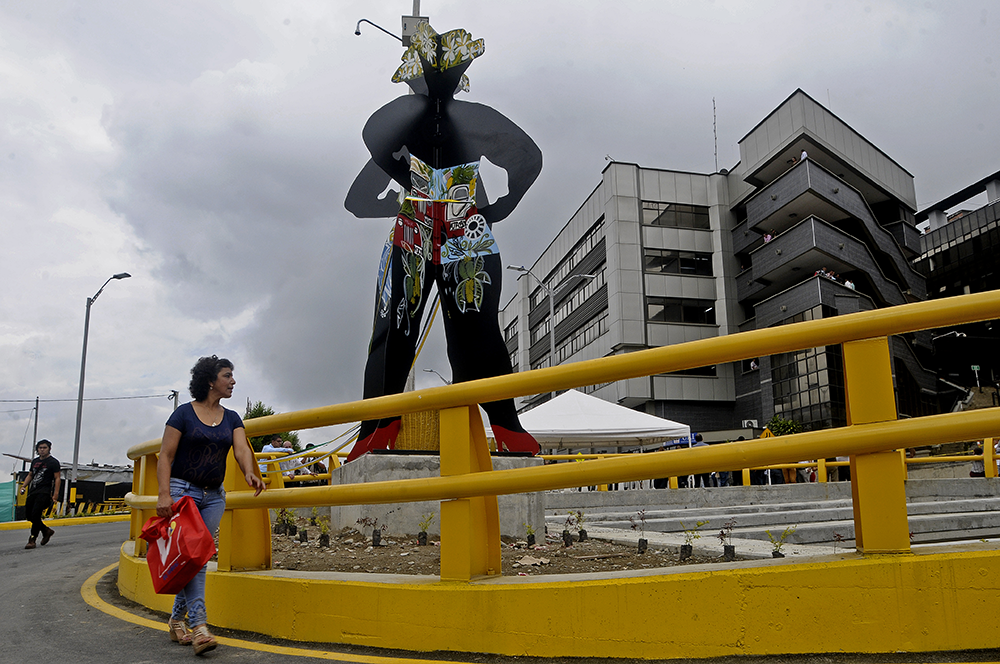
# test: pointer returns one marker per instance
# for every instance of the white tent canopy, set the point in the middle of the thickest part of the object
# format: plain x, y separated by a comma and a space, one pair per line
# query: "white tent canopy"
574, 419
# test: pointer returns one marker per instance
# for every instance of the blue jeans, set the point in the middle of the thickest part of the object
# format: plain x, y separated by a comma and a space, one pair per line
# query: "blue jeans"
211, 504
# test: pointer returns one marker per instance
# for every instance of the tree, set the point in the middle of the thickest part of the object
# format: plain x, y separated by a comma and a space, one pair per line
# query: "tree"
260, 409
782, 427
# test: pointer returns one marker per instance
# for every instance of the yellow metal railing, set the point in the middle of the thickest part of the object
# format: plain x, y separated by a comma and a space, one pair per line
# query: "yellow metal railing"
989, 459
468, 487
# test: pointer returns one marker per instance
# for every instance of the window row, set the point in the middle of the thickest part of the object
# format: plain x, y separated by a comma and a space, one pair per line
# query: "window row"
669, 261
680, 310
583, 337
675, 215
586, 288
584, 291
582, 248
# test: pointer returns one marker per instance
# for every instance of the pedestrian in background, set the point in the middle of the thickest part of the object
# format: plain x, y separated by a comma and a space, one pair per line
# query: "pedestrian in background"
42, 485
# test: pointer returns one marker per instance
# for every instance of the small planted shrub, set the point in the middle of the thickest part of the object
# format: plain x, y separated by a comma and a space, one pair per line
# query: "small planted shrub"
777, 543
638, 521
424, 524
530, 531
370, 522
324, 532
579, 518
690, 535
726, 538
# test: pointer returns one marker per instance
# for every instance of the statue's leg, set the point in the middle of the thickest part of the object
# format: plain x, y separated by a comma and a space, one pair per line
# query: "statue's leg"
393, 344
475, 344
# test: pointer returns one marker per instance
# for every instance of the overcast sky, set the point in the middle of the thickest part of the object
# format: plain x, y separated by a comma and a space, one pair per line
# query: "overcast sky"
207, 147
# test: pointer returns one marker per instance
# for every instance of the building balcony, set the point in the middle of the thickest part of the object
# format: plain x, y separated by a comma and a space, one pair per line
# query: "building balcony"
907, 237
799, 252
809, 189
808, 294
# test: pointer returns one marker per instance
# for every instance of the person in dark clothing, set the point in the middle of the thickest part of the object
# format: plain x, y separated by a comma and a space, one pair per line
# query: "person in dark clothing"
42, 485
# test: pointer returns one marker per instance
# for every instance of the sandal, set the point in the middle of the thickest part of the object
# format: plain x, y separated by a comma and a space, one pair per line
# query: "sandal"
202, 639
179, 632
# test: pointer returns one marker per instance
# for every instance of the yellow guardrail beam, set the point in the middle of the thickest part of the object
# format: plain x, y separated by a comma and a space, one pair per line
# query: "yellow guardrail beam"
729, 348
853, 440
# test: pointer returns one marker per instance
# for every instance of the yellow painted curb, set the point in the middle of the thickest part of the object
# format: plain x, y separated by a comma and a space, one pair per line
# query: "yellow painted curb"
68, 521
847, 603
90, 596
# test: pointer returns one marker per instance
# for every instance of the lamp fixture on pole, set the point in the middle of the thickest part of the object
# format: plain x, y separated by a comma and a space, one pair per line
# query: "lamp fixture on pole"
79, 398
357, 29
434, 371
552, 305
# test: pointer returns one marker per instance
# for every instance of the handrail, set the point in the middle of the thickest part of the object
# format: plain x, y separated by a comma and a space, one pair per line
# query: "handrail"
853, 440
728, 348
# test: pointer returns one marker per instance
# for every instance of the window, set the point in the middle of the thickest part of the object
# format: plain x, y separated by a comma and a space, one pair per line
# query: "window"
540, 331
808, 385
675, 215
587, 334
585, 289
697, 371
579, 252
668, 261
680, 310
510, 332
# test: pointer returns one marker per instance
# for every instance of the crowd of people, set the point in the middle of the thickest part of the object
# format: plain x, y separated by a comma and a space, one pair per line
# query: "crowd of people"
290, 467
833, 276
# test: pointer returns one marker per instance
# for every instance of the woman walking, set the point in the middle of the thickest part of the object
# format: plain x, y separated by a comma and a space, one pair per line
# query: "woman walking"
192, 462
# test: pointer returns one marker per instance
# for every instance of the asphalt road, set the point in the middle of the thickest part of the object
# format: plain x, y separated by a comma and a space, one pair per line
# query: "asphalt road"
46, 619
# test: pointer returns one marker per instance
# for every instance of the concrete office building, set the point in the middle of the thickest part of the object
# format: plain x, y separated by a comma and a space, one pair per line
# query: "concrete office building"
960, 254
679, 256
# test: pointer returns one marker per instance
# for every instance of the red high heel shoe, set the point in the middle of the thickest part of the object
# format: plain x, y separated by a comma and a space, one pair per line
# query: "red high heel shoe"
383, 438
515, 441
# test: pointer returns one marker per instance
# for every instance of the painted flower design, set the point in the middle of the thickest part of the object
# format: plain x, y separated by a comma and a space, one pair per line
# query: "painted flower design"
475, 226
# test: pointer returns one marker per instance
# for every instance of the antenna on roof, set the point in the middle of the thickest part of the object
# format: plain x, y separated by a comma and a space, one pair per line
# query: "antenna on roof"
715, 134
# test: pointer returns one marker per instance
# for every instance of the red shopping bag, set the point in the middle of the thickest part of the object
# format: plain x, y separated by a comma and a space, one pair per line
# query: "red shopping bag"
179, 546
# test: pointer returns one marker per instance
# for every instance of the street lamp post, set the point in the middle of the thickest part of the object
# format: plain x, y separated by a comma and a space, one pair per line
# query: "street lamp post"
79, 398
552, 305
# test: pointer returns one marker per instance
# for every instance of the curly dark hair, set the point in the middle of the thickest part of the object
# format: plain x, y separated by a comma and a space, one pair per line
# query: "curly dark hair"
204, 373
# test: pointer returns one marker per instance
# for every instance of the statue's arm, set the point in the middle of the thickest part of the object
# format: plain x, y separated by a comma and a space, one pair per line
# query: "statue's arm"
386, 135
509, 147
363, 198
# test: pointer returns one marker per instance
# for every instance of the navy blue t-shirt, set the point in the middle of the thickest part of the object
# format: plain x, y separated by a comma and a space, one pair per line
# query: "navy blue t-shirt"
201, 453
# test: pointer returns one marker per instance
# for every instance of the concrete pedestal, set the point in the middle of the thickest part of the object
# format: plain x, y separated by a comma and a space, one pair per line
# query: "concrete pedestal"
403, 518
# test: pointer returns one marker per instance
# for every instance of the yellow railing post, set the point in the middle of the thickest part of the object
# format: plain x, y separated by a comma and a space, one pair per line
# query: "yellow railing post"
470, 527
253, 526
877, 480
989, 460
674, 484
746, 477
144, 484
821, 470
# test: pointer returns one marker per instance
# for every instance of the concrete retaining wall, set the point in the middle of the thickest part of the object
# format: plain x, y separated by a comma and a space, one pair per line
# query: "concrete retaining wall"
403, 518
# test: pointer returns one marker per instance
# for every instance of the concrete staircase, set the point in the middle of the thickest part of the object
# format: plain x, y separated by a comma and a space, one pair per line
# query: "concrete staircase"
822, 514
